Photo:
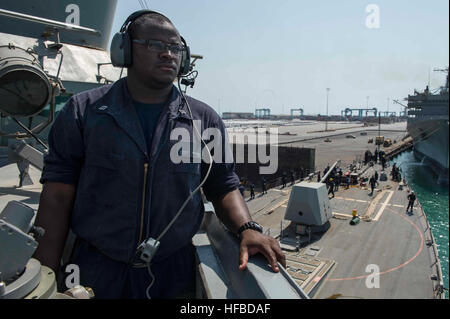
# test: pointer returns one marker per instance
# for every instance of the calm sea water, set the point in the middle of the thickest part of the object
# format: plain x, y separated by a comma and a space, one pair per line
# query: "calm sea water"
434, 199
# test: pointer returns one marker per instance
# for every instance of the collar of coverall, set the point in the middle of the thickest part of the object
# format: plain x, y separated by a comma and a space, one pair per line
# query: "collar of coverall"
117, 102
120, 102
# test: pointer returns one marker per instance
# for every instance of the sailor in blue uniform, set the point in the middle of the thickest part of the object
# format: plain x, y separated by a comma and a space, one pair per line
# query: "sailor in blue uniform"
110, 176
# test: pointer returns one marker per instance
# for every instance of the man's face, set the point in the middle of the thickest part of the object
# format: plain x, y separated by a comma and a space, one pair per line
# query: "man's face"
156, 70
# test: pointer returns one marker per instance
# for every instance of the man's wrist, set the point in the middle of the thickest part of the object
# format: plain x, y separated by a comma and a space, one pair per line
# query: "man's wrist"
251, 225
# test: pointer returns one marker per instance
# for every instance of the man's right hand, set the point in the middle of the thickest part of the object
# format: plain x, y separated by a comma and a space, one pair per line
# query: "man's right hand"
55, 209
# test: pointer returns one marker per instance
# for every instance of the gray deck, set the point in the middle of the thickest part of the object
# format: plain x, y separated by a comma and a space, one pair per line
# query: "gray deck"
387, 236
9, 181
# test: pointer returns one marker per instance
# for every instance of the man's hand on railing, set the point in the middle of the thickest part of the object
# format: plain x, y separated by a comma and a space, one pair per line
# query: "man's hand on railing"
253, 242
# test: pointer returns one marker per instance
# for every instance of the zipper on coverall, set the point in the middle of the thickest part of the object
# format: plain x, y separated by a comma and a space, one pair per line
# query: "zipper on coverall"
143, 202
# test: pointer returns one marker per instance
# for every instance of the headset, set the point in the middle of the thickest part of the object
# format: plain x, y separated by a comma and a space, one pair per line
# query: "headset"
121, 52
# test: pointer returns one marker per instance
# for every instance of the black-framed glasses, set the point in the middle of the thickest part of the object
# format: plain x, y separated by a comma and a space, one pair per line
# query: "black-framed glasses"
160, 46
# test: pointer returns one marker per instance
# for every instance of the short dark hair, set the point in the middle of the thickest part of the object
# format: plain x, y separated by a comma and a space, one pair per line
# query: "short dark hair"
147, 18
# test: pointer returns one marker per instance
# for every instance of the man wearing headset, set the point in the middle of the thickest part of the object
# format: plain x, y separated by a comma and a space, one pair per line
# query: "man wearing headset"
109, 177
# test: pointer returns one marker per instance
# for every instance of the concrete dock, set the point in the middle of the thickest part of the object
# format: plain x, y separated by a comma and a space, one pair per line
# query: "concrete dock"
310, 134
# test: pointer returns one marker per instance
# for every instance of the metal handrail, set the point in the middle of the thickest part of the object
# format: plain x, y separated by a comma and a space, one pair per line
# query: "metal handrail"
52, 23
437, 263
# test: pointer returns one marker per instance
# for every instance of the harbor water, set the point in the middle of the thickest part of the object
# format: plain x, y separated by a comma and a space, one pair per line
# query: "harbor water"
434, 199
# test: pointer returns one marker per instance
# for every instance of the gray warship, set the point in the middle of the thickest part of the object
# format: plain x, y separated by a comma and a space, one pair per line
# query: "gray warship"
351, 246
428, 126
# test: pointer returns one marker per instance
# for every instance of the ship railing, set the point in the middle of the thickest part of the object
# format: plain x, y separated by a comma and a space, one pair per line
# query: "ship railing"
438, 286
218, 276
52, 23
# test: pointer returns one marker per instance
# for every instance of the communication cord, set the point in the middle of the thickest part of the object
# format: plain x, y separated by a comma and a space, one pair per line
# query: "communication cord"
190, 196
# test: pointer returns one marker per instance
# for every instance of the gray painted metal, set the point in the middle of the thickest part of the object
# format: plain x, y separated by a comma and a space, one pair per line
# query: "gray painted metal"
22, 151
19, 215
52, 23
47, 286
17, 245
308, 204
26, 283
212, 283
80, 65
220, 274
33, 82
85, 14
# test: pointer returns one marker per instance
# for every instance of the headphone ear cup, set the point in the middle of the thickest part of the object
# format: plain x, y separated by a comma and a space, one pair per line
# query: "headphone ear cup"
185, 62
127, 54
120, 50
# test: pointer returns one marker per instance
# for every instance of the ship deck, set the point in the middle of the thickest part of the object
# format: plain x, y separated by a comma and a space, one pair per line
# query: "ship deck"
342, 262
10, 190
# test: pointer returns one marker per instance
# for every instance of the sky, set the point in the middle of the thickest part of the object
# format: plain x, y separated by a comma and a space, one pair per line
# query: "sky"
284, 55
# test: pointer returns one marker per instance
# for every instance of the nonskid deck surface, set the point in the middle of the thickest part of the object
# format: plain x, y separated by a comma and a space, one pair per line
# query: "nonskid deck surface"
9, 187
386, 255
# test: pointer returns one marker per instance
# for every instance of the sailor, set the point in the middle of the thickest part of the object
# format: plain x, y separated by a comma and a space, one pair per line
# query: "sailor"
393, 172
331, 187
382, 156
367, 157
411, 200
339, 179
252, 190
347, 181
110, 177
372, 182
264, 185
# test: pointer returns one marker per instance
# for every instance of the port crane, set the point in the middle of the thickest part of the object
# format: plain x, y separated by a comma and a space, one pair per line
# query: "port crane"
262, 113
296, 110
349, 112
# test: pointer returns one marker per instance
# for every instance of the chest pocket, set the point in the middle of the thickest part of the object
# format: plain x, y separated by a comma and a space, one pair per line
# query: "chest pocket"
100, 180
103, 169
108, 161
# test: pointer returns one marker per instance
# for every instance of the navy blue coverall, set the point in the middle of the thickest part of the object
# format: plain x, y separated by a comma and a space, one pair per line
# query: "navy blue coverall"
126, 192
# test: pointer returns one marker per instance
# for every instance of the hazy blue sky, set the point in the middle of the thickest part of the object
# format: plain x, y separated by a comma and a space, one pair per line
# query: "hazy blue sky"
284, 54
